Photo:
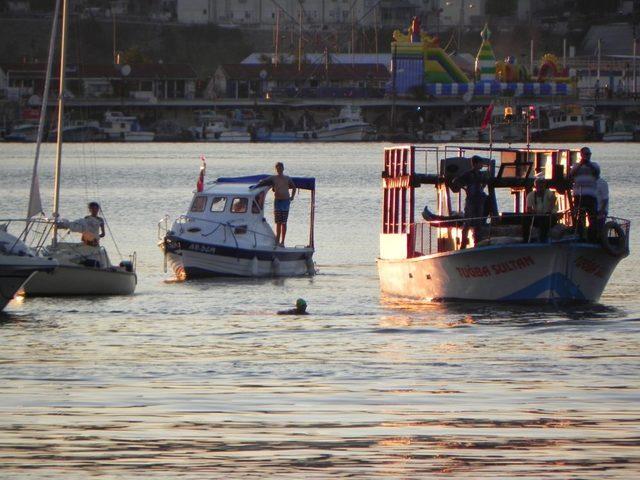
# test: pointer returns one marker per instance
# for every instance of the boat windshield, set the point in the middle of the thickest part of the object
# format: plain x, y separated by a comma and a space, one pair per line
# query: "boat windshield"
199, 203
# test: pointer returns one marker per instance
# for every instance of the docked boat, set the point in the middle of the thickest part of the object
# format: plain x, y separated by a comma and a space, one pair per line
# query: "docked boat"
18, 263
425, 260
119, 127
26, 132
569, 123
225, 233
620, 132
84, 267
79, 131
348, 126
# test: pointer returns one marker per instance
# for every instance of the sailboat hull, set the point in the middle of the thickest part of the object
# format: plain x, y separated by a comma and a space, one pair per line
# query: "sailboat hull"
10, 283
15, 270
77, 280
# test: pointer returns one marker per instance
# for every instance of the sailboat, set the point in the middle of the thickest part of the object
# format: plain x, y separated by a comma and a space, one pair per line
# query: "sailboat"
84, 268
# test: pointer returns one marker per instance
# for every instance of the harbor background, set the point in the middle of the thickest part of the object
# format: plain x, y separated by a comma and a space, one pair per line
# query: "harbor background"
204, 379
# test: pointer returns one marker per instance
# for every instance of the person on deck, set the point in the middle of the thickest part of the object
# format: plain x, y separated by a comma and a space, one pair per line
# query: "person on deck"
281, 184
584, 176
543, 205
475, 205
93, 226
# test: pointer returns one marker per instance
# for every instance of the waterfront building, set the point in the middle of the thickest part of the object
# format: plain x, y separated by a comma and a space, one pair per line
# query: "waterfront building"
311, 80
147, 82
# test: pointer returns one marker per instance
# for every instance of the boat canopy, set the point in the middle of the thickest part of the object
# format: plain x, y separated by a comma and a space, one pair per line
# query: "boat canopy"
303, 183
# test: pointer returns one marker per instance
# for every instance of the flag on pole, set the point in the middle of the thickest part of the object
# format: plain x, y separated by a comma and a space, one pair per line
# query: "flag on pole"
487, 117
203, 169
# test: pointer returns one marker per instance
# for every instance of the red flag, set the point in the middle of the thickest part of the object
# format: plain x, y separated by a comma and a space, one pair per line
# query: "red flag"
487, 117
203, 168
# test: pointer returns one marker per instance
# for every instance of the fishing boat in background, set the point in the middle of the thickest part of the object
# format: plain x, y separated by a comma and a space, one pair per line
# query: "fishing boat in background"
225, 233
568, 123
426, 260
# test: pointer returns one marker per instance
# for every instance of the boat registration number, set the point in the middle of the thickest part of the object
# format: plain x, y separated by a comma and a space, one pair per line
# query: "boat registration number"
197, 247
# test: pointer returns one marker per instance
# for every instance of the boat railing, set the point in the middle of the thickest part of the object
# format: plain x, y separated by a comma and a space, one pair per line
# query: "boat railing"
446, 234
32, 231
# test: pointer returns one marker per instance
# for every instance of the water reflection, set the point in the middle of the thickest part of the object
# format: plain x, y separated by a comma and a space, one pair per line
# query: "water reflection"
455, 314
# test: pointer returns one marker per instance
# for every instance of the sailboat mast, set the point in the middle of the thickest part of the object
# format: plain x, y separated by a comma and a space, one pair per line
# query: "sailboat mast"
35, 204
56, 182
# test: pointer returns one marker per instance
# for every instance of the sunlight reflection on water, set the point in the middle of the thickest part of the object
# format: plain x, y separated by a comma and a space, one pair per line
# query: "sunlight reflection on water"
203, 379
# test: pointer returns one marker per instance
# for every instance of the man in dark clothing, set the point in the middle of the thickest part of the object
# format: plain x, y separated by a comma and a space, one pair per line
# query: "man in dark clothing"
584, 176
475, 205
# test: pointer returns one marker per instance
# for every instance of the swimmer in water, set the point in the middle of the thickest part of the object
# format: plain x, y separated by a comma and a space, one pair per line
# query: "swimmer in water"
301, 309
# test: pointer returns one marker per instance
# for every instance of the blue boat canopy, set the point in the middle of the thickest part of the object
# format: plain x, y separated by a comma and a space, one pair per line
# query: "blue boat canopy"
304, 183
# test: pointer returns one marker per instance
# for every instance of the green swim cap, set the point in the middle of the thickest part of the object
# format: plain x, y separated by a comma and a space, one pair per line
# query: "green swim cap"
300, 303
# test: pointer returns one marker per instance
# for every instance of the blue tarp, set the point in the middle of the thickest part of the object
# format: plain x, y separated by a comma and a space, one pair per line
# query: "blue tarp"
304, 183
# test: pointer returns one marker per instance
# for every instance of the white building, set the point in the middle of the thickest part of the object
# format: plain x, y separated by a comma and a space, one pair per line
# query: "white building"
264, 13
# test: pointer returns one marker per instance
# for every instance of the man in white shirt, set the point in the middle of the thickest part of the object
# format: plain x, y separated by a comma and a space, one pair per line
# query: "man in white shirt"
543, 205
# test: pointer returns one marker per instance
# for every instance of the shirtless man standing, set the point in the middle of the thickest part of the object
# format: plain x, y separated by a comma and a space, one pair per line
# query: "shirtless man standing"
281, 185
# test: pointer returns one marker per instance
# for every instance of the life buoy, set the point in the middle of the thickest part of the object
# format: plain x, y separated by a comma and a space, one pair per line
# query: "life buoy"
617, 245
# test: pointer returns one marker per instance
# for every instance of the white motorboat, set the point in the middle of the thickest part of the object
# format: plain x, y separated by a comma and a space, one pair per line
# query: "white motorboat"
225, 233
620, 132
84, 267
424, 260
348, 126
220, 131
18, 263
119, 127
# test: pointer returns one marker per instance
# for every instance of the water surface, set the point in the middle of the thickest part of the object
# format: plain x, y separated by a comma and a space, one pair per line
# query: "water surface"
203, 380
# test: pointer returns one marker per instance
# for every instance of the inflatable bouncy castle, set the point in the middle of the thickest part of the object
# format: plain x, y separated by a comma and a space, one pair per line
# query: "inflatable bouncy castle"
422, 67
485, 60
550, 70
419, 59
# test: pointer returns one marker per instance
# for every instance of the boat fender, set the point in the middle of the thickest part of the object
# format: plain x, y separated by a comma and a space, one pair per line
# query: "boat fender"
254, 266
127, 265
614, 246
305, 136
275, 267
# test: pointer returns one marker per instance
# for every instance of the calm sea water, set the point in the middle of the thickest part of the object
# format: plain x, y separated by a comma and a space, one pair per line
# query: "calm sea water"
203, 380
